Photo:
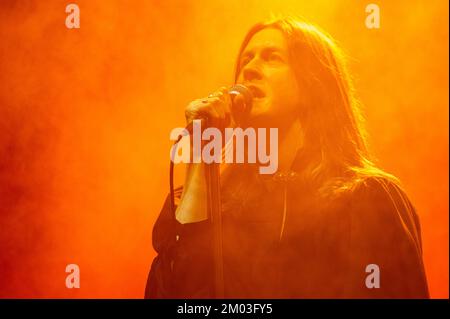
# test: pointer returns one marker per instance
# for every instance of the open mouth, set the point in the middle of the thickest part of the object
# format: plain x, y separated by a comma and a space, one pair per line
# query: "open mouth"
257, 93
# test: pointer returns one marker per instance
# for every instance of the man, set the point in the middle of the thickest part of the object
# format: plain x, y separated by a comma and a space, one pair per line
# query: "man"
315, 227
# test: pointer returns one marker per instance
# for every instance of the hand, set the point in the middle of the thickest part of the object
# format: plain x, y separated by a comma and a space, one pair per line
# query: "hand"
216, 109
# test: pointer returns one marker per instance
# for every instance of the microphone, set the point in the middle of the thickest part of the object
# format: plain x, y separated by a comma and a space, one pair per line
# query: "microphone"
240, 107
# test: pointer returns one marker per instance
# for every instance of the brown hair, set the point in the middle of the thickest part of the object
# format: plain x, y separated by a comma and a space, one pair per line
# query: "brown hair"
334, 156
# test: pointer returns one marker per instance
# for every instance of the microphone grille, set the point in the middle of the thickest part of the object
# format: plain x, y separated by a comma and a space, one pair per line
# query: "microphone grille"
245, 92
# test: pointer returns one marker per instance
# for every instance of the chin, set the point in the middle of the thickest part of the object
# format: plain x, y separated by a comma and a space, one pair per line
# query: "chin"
260, 111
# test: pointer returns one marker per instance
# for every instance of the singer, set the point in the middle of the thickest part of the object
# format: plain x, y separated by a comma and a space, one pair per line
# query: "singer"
311, 229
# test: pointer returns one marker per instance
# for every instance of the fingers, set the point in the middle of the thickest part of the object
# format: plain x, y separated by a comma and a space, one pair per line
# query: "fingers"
226, 98
210, 109
215, 108
238, 106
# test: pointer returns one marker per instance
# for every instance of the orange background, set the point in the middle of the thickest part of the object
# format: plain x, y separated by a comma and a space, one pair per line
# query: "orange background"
85, 117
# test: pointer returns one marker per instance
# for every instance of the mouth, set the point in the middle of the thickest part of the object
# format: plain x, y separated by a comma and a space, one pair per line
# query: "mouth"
257, 93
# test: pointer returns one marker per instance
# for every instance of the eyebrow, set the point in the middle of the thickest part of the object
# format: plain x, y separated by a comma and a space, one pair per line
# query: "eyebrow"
265, 49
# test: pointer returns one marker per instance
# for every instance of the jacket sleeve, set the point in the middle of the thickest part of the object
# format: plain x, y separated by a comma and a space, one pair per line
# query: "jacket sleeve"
385, 234
163, 239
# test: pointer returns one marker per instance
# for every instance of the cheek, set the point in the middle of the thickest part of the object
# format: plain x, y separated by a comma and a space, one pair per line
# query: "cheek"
286, 89
283, 78
286, 97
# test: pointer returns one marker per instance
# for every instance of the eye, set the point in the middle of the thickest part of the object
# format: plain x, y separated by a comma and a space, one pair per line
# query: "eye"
245, 60
273, 56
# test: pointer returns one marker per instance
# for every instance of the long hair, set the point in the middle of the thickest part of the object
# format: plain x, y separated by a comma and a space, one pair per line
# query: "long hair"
334, 156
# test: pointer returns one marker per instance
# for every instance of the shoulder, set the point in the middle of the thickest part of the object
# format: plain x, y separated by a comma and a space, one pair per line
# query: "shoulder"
381, 192
379, 205
376, 185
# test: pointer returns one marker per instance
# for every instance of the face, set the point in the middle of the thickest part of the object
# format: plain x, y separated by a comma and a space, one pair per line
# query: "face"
266, 71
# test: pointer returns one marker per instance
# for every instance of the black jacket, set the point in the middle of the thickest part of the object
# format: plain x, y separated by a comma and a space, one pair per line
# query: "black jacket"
323, 253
